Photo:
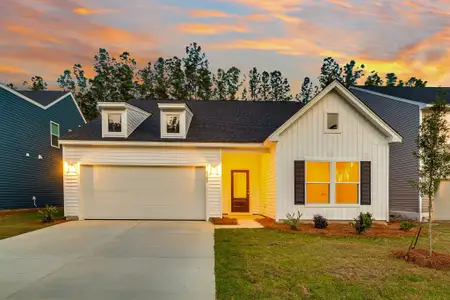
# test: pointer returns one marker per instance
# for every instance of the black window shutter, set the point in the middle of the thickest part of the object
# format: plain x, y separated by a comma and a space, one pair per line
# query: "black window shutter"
299, 182
366, 182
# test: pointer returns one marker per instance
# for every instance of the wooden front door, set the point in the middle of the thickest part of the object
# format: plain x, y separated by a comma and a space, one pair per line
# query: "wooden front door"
240, 191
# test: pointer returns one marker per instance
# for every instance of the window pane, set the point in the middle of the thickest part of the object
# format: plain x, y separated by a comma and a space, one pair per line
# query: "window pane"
114, 123
54, 128
347, 172
332, 121
240, 185
317, 193
347, 193
317, 171
55, 141
173, 124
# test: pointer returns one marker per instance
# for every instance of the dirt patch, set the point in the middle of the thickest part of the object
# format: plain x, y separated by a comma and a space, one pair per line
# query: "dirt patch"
439, 260
224, 221
340, 229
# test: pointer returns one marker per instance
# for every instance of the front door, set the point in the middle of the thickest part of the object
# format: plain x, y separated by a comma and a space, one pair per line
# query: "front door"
240, 191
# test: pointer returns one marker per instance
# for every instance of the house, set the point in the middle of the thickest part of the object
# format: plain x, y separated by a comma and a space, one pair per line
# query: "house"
31, 157
192, 160
403, 108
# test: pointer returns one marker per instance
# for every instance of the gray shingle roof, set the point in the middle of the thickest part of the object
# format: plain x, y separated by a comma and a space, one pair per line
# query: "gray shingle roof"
43, 97
214, 121
425, 95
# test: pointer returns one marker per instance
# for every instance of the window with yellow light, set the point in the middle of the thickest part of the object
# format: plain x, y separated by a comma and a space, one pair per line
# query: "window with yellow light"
317, 182
347, 182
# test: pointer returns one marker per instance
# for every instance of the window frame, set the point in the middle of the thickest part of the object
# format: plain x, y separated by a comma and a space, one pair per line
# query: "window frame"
332, 185
332, 131
51, 134
358, 184
121, 122
317, 182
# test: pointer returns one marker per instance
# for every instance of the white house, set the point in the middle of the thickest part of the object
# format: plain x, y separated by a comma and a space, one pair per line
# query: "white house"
192, 160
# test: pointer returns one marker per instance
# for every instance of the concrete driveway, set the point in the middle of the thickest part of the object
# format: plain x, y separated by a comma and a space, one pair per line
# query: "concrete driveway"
110, 260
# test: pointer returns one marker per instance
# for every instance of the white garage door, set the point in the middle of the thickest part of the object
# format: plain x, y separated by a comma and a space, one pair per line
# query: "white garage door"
442, 202
125, 192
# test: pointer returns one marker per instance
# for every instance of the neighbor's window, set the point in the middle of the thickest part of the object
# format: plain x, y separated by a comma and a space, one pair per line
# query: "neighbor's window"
347, 182
332, 121
173, 123
54, 134
114, 122
317, 182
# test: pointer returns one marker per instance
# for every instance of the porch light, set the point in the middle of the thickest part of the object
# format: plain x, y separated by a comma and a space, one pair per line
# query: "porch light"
70, 168
213, 169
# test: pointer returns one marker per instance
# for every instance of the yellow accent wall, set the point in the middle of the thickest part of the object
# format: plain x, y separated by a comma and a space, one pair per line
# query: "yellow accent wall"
241, 161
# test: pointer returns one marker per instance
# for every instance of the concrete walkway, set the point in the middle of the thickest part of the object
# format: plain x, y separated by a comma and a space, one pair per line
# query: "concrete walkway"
110, 260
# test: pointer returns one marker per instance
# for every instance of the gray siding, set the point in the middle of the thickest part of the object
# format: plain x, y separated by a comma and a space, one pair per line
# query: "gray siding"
25, 128
403, 167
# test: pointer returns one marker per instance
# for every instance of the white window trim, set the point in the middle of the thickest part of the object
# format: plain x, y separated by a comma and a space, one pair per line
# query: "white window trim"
332, 131
182, 118
51, 135
332, 185
123, 119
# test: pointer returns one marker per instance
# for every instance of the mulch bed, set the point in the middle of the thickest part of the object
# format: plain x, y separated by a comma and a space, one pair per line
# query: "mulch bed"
17, 211
224, 221
340, 229
439, 260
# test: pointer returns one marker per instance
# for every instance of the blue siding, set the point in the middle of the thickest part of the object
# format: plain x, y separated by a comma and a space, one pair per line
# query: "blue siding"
403, 166
25, 128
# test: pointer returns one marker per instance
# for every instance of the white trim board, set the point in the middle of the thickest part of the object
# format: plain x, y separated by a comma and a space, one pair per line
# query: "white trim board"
390, 133
162, 144
16, 93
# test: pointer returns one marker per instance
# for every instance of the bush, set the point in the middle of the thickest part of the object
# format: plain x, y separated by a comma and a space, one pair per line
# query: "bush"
320, 222
293, 220
362, 222
47, 214
407, 225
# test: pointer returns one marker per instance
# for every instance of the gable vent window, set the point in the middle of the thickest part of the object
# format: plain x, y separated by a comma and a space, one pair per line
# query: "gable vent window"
332, 123
114, 122
54, 134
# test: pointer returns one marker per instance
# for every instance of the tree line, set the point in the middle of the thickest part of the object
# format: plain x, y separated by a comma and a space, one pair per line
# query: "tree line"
190, 78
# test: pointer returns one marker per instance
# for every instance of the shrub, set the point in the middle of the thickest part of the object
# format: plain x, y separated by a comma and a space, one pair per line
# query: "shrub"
362, 222
47, 214
407, 225
293, 220
320, 222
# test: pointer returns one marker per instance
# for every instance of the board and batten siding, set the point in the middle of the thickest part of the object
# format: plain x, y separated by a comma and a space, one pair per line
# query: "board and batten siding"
305, 140
140, 156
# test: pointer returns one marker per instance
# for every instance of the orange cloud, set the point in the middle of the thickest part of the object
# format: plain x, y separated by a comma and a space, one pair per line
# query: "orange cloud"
11, 69
31, 33
206, 29
206, 13
272, 5
89, 11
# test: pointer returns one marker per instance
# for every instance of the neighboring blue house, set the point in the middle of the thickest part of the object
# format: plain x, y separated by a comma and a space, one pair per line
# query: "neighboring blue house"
31, 123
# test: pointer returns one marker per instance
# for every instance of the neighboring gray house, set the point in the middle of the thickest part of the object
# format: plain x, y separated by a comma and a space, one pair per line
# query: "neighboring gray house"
402, 108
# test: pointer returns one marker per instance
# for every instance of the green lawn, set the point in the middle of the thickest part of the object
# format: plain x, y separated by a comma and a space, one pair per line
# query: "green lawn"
18, 223
268, 264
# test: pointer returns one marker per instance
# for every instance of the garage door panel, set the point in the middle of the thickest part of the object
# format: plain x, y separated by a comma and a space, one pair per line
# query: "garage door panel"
113, 192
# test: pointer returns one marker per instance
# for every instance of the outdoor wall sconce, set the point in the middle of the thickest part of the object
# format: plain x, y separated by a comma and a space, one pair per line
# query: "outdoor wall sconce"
213, 169
70, 168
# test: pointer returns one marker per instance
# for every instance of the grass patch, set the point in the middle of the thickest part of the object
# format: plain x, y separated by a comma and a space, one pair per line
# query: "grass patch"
270, 264
17, 223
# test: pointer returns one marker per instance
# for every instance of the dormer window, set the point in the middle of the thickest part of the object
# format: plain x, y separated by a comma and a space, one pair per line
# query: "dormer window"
173, 123
114, 122
175, 120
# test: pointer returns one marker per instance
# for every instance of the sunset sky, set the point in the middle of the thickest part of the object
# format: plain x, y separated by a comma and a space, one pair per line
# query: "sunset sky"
408, 37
